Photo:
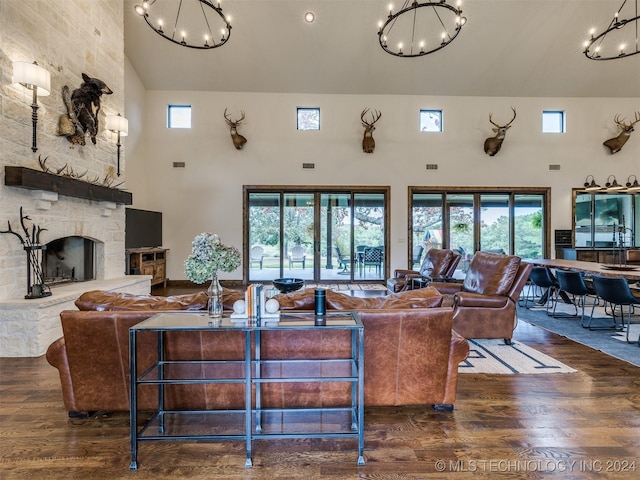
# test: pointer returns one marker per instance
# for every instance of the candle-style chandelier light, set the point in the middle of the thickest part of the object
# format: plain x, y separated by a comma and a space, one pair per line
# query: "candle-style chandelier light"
189, 23
420, 28
619, 39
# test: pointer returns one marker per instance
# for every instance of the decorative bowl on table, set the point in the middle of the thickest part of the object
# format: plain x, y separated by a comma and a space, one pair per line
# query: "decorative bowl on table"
286, 285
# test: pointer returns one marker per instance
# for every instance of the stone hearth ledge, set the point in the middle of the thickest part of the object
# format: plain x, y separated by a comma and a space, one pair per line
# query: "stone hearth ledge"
28, 327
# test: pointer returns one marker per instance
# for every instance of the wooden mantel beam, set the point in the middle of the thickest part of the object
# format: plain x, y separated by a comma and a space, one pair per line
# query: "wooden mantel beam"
28, 178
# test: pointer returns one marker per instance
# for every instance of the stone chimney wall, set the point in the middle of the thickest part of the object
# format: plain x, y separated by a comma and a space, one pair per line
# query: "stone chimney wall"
67, 38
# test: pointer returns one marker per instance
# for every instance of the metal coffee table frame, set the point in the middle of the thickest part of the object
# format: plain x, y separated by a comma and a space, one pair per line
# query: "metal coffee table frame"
168, 425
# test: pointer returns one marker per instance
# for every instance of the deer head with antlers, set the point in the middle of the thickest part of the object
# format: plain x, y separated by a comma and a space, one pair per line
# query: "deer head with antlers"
492, 145
238, 140
368, 143
615, 144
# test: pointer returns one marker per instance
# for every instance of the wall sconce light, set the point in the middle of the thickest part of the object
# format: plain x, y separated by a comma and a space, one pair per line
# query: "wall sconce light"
633, 187
120, 125
35, 78
591, 186
613, 186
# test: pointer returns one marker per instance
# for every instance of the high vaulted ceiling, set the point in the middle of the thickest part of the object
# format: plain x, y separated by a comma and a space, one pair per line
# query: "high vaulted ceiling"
519, 48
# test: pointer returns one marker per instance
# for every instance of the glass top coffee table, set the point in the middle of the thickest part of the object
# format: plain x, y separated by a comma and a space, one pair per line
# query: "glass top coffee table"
252, 370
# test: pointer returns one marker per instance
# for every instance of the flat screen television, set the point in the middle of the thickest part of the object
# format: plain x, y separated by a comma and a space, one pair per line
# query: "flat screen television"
143, 228
607, 212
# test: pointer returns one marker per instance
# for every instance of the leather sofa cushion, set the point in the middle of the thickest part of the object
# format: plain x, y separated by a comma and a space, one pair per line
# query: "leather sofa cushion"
491, 274
298, 300
304, 300
99, 300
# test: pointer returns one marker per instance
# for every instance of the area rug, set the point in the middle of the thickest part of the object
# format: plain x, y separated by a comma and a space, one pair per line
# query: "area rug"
611, 342
634, 332
494, 356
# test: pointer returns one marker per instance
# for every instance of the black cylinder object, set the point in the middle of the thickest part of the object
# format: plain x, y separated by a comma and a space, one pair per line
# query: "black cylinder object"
320, 301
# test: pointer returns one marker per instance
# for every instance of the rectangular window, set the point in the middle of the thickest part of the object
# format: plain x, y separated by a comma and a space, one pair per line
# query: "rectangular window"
553, 121
308, 118
179, 116
430, 120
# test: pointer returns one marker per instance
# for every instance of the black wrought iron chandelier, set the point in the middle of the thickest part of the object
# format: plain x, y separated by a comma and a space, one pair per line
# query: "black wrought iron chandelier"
420, 28
619, 39
189, 23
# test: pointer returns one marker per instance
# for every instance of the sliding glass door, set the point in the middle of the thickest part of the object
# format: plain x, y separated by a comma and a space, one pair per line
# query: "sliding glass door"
335, 236
495, 223
328, 235
510, 220
298, 235
461, 222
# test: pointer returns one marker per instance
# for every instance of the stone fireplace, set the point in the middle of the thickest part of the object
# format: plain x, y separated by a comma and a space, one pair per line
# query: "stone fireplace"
85, 251
62, 207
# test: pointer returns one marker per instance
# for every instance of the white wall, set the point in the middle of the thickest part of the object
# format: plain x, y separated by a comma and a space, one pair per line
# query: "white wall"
135, 144
207, 194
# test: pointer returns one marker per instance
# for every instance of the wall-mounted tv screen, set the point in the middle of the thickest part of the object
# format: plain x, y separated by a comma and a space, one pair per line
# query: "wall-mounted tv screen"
583, 214
143, 228
606, 212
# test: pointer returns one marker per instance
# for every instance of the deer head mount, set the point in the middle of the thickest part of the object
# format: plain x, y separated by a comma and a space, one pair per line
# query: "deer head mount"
615, 144
368, 143
238, 140
492, 145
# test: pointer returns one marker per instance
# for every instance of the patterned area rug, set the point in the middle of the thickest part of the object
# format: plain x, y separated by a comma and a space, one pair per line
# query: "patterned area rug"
494, 356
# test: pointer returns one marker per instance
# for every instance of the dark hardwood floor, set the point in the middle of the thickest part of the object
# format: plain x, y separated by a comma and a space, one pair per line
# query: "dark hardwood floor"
580, 425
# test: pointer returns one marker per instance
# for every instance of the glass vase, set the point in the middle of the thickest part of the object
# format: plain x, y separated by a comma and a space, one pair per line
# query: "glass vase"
214, 293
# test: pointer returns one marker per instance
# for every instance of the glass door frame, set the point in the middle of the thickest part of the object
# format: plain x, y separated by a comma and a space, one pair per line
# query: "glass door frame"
478, 192
317, 191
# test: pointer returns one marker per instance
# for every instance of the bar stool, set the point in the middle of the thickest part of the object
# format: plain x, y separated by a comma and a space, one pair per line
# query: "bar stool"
616, 291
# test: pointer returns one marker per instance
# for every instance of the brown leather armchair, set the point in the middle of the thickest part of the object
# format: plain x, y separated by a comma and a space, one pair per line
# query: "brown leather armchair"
485, 304
437, 264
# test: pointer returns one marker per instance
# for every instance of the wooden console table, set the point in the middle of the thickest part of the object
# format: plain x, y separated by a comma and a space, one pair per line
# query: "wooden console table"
254, 421
148, 261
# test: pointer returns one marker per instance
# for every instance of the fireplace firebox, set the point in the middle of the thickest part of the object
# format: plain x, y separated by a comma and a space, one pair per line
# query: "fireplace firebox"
69, 259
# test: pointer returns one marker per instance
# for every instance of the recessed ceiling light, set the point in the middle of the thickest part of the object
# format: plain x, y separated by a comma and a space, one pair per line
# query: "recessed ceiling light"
309, 17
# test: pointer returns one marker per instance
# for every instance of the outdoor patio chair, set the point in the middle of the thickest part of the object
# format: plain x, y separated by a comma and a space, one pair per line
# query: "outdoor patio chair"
373, 257
256, 255
297, 255
344, 261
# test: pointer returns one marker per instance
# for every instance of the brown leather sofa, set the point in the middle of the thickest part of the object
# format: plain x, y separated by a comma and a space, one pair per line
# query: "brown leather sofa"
411, 355
485, 303
437, 264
